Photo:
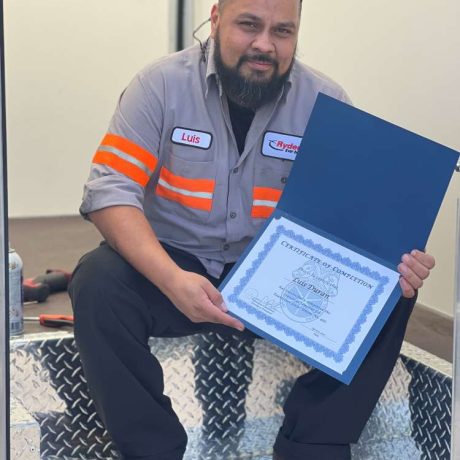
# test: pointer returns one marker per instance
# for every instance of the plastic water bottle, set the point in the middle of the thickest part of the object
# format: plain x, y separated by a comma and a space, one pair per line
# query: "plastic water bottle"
16, 297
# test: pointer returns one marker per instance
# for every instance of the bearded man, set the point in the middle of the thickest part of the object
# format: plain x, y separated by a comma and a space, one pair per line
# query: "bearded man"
179, 186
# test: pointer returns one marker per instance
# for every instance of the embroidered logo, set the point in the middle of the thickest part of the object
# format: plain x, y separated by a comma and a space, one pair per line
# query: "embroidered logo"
279, 145
192, 138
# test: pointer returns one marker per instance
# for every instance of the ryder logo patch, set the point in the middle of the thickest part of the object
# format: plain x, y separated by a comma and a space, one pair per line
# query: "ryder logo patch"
279, 145
192, 138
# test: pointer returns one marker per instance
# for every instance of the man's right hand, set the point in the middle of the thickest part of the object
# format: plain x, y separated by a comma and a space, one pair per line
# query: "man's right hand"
198, 299
127, 231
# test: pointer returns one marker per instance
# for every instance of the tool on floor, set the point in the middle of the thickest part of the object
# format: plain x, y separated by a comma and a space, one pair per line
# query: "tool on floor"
51, 320
38, 289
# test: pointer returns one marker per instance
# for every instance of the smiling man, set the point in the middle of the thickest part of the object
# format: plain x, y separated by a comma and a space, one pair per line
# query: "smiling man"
195, 159
253, 56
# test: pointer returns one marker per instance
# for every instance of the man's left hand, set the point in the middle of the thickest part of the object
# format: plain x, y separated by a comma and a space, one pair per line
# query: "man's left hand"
414, 268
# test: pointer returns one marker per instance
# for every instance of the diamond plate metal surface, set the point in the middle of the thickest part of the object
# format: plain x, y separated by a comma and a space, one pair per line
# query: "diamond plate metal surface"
387, 434
47, 379
24, 433
430, 397
228, 394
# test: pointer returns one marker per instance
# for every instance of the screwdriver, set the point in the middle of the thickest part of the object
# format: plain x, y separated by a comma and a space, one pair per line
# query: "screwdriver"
51, 320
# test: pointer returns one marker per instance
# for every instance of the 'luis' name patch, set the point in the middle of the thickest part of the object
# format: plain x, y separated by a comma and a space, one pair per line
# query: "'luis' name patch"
192, 138
279, 145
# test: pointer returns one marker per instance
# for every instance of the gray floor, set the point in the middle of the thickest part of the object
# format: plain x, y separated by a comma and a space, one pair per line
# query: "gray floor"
58, 242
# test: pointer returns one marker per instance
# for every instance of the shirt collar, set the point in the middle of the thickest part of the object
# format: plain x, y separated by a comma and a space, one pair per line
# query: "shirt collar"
211, 71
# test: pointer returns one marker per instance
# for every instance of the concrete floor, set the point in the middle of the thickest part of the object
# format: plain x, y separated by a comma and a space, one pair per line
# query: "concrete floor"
58, 242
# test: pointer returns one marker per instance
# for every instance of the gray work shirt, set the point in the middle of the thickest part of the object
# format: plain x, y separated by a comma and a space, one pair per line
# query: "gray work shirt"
171, 152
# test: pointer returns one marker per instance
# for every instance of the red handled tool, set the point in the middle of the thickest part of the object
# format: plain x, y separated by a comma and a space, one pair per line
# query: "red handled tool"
38, 289
51, 320
35, 291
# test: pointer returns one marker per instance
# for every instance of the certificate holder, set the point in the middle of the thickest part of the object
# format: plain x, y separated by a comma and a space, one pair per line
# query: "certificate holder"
320, 279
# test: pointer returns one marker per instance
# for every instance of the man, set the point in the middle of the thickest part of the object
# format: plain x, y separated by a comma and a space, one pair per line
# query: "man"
178, 188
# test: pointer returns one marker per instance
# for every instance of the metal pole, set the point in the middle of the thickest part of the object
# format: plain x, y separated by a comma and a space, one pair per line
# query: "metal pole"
188, 23
4, 317
455, 434
182, 19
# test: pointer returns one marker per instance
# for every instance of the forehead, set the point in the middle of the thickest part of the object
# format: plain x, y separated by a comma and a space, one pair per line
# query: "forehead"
268, 10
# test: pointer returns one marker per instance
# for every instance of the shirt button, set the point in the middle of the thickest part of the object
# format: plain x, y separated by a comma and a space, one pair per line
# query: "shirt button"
226, 247
283, 180
233, 215
235, 170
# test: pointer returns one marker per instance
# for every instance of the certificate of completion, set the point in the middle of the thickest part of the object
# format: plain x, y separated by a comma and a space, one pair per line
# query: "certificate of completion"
309, 294
320, 279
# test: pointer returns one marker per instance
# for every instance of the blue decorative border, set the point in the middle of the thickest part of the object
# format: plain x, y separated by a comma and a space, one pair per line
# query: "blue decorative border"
282, 231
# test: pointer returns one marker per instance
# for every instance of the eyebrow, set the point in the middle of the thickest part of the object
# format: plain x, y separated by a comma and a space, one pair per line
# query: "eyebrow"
253, 17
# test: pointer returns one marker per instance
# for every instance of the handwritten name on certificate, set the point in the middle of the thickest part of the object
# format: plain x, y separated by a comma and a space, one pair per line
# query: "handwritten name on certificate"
310, 293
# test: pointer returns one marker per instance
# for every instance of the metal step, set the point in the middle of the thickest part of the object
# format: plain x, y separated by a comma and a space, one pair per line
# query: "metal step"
411, 421
24, 433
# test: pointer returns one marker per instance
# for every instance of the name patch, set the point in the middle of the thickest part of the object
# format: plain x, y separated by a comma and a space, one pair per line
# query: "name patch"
192, 138
279, 145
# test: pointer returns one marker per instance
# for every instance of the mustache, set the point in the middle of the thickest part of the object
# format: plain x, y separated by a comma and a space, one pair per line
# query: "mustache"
259, 58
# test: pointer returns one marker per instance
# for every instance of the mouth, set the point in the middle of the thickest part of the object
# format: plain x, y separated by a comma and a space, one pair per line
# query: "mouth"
259, 63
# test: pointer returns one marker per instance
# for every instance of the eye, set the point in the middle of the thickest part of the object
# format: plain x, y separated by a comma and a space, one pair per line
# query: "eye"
248, 25
283, 31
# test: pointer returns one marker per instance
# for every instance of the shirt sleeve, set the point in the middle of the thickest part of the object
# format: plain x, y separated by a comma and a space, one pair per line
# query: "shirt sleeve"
127, 156
344, 97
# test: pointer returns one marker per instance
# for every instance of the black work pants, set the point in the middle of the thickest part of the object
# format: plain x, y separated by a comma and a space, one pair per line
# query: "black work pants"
116, 311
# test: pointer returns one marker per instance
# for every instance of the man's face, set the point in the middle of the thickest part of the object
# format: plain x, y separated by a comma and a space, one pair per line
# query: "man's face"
257, 38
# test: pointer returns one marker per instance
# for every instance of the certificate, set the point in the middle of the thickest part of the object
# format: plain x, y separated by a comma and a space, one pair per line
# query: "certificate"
320, 279
311, 295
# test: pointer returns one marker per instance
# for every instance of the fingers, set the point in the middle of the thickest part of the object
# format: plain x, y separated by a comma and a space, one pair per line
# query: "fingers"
414, 269
215, 310
214, 315
407, 290
425, 259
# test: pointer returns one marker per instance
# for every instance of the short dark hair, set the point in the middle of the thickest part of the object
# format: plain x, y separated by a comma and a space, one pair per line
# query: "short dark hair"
221, 3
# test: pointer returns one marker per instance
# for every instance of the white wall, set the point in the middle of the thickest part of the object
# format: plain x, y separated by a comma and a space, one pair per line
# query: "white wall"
67, 61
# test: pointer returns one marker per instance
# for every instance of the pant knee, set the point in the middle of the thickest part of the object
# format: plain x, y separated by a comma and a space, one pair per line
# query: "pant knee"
99, 275
105, 290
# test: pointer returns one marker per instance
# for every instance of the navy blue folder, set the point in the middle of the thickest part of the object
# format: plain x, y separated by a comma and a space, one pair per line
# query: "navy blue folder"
367, 181
369, 185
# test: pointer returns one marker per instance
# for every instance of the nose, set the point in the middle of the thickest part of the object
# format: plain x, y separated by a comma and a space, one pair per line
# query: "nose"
263, 42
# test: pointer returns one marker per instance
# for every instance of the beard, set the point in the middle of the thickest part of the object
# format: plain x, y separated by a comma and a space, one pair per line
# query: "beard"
254, 91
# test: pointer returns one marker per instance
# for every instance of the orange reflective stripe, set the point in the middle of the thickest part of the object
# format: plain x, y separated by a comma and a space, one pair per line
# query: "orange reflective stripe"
265, 193
126, 146
204, 204
264, 202
192, 185
261, 212
193, 193
122, 166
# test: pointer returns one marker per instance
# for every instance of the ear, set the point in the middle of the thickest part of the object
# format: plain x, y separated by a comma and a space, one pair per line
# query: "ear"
214, 19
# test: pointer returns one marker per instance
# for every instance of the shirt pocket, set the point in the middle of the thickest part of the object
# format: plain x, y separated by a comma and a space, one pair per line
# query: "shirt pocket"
270, 177
186, 184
